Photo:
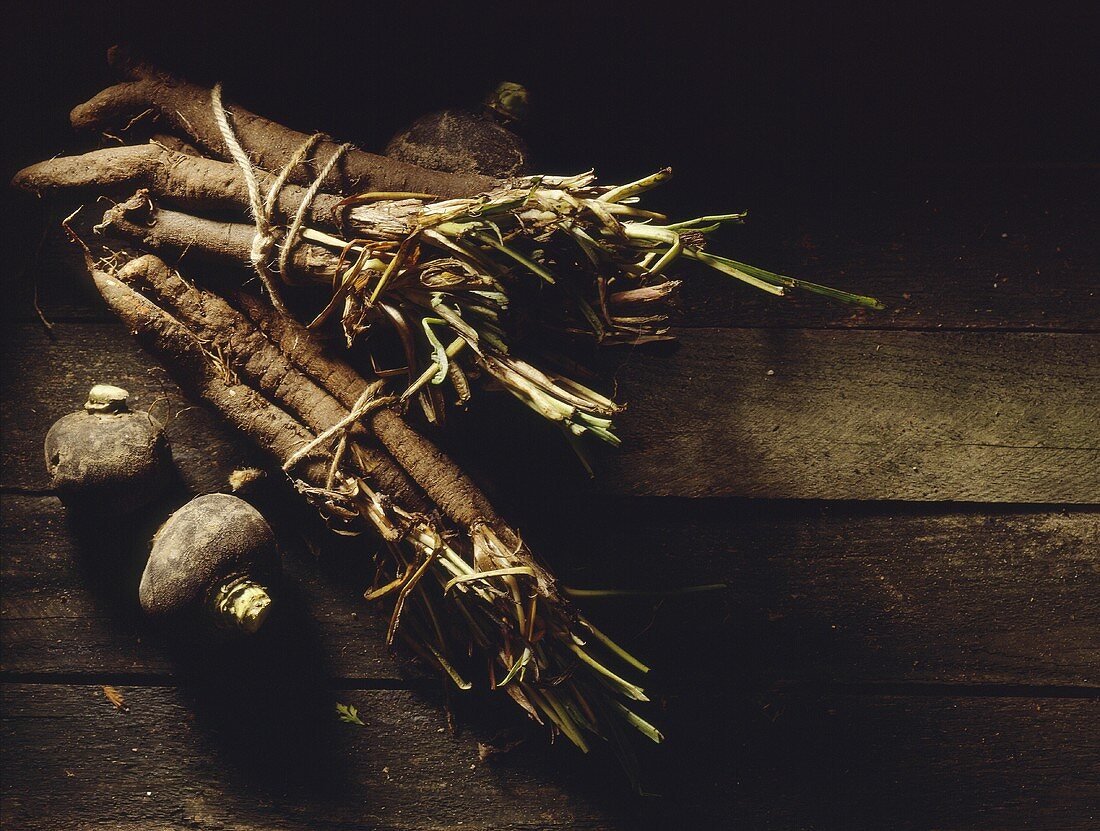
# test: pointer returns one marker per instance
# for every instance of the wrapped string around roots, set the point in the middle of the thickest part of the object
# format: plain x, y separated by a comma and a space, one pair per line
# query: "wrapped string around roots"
468, 596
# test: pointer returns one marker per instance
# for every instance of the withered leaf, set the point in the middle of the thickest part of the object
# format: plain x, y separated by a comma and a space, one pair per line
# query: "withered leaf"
115, 697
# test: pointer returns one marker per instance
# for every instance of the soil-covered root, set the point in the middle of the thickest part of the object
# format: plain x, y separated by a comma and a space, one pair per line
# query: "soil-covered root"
287, 363
304, 349
456, 494
176, 234
269, 427
187, 110
175, 143
247, 352
188, 181
192, 343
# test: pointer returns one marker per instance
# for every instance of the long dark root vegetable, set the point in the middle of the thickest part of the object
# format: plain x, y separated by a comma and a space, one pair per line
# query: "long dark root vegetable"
469, 597
192, 182
185, 109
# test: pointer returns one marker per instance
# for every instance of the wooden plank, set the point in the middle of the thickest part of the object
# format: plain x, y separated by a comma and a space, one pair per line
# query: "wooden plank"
921, 416
814, 595
837, 593
904, 762
944, 248
974, 248
182, 758
924, 416
206, 757
48, 378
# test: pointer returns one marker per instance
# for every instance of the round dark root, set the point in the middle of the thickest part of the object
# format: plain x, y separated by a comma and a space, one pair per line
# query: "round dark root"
107, 458
218, 552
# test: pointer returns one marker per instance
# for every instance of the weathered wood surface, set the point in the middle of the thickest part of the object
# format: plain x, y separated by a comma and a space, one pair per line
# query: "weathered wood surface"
904, 664
834, 596
178, 759
920, 416
976, 248
973, 417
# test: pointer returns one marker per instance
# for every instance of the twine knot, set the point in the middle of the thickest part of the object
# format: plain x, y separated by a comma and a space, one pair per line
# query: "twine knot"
263, 208
262, 243
368, 401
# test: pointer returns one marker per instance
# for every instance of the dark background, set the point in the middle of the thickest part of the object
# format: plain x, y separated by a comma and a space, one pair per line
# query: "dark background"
741, 99
795, 112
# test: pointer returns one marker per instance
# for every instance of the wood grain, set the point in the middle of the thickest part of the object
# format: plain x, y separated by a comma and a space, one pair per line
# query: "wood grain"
918, 416
922, 416
184, 758
993, 248
206, 758
814, 596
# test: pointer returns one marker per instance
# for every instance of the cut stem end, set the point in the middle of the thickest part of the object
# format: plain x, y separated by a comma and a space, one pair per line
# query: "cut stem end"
242, 604
106, 398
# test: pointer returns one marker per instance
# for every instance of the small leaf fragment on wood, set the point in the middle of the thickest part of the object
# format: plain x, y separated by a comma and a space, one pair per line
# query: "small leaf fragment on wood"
115, 697
349, 714
487, 749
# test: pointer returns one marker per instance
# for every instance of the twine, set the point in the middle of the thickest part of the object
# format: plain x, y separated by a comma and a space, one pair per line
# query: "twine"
340, 502
263, 210
299, 217
368, 401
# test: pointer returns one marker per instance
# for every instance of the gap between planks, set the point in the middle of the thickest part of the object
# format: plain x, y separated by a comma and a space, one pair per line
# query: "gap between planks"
873, 689
785, 414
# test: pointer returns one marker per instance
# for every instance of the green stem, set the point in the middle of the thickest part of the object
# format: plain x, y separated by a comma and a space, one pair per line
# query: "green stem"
794, 282
719, 264
552, 707
640, 186
429, 373
614, 647
530, 265
459, 681
640, 723
630, 690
